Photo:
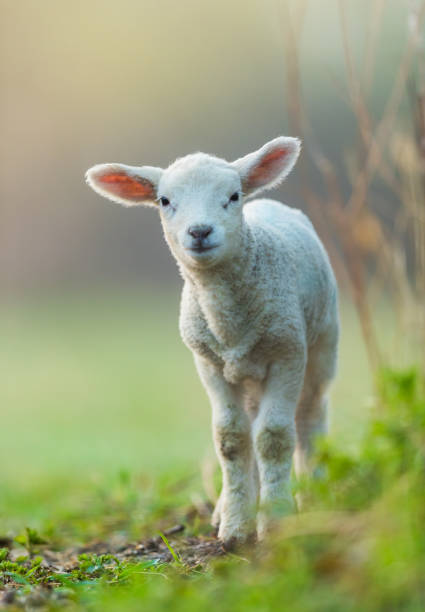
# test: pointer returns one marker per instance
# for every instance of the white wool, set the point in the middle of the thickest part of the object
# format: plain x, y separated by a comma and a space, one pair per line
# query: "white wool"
258, 310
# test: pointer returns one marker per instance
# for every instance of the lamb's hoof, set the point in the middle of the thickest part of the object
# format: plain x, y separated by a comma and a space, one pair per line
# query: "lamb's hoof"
239, 543
265, 528
268, 526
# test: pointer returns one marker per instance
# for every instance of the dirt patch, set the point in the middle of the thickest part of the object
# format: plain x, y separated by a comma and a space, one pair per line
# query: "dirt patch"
58, 569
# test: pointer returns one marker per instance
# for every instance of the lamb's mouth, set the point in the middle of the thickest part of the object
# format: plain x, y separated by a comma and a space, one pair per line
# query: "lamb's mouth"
202, 249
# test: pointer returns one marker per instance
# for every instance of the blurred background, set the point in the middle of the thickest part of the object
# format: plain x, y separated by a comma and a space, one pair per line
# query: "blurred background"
94, 375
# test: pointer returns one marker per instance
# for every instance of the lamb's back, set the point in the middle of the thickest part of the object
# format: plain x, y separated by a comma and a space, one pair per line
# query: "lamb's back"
265, 211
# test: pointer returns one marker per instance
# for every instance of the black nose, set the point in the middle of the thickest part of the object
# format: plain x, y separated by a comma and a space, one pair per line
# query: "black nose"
200, 231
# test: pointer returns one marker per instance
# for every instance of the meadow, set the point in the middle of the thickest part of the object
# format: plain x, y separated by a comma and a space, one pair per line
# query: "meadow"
106, 445
104, 382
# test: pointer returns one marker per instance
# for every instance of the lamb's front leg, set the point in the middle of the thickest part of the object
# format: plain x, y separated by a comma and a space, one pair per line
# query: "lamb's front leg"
232, 439
274, 439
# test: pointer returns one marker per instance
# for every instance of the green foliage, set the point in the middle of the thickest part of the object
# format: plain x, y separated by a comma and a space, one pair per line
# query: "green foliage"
174, 554
23, 571
29, 539
361, 545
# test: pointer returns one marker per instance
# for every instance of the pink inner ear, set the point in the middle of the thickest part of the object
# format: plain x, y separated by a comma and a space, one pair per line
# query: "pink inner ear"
268, 168
127, 187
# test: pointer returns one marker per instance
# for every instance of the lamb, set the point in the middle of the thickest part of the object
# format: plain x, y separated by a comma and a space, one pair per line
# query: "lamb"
259, 312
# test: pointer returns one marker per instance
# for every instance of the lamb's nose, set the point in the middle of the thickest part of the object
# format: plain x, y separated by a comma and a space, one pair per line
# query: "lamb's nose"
200, 231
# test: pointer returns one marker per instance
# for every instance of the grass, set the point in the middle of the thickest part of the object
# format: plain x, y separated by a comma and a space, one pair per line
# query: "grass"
104, 382
84, 382
104, 428
97, 385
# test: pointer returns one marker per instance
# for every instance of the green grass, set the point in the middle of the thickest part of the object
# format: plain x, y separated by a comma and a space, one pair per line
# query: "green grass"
94, 385
360, 546
103, 383
104, 430
99, 384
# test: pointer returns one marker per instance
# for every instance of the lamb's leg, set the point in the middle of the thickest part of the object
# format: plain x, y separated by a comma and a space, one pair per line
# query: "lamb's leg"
311, 415
274, 439
311, 422
232, 439
216, 515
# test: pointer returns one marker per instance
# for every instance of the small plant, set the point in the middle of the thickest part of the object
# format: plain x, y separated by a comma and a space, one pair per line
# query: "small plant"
177, 559
30, 539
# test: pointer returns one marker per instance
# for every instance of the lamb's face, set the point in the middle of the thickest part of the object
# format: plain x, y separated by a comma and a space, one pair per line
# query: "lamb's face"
199, 196
200, 200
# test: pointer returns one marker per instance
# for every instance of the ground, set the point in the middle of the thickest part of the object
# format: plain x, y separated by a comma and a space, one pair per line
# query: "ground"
47, 571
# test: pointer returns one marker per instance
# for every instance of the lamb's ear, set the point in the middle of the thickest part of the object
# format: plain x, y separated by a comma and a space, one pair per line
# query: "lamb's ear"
268, 166
127, 185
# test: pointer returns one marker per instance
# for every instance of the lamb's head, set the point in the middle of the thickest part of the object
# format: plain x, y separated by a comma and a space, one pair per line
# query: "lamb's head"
199, 197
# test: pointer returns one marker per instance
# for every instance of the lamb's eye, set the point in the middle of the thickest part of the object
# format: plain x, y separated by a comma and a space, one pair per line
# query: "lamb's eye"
234, 197
164, 201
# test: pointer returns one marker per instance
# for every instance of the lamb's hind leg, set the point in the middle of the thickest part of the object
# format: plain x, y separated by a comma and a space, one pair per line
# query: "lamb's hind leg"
311, 416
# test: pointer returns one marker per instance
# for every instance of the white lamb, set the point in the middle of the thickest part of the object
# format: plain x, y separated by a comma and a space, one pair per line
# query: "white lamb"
258, 310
